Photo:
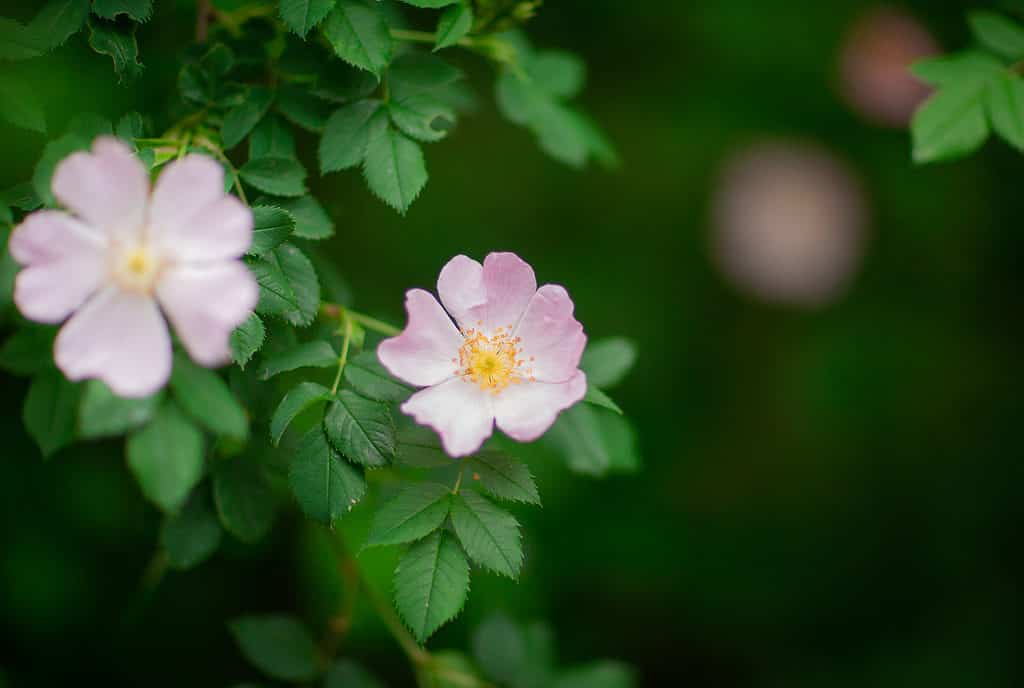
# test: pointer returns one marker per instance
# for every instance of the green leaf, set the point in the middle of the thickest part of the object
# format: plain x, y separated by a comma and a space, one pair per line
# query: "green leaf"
207, 398
359, 35
594, 440
489, 534
29, 350
303, 109
56, 22
53, 153
22, 196
422, 117
323, 483
279, 646
295, 402
240, 120
368, 377
139, 10
316, 354
431, 583
420, 447
21, 108
341, 83
272, 138
131, 126
430, 4
604, 674
345, 673
500, 649
104, 414
950, 124
417, 72
416, 511
8, 272
303, 15
361, 429
394, 167
454, 25
598, 398
271, 227
288, 285
244, 501
16, 42
192, 535
503, 476
998, 33
1005, 103
119, 43
166, 457
559, 74
607, 361
49, 411
346, 136
311, 220
275, 175
534, 99
970, 66
247, 339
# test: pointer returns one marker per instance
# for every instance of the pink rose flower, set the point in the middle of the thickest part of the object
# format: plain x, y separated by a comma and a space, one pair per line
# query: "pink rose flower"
123, 259
510, 357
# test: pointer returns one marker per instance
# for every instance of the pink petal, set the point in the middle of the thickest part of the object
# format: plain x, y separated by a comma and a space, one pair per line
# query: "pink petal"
422, 354
510, 285
205, 303
461, 288
221, 230
64, 262
552, 339
524, 412
459, 411
120, 338
107, 187
184, 188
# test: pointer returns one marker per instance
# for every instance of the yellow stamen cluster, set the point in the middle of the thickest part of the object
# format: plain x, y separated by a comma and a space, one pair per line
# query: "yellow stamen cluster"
137, 269
491, 362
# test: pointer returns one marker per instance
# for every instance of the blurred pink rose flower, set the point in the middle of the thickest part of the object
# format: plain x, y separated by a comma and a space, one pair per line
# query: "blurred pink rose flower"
874, 65
510, 357
123, 259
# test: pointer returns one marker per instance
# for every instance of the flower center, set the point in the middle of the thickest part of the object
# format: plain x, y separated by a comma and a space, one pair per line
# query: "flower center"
492, 362
137, 269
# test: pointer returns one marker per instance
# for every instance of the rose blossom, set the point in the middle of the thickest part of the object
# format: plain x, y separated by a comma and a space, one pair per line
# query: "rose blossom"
123, 259
510, 357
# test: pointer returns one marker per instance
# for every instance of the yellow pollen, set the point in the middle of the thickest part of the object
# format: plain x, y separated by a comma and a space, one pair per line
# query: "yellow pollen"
137, 269
491, 362
139, 262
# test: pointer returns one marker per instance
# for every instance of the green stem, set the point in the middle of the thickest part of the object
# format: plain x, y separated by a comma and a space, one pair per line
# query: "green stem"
413, 36
458, 481
339, 312
219, 154
416, 654
373, 324
343, 359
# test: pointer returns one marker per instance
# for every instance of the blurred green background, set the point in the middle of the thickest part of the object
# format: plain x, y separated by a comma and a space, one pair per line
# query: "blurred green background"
831, 495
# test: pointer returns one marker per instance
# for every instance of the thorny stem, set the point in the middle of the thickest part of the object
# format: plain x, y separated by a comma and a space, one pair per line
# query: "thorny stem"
343, 359
416, 654
203, 12
339, 624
